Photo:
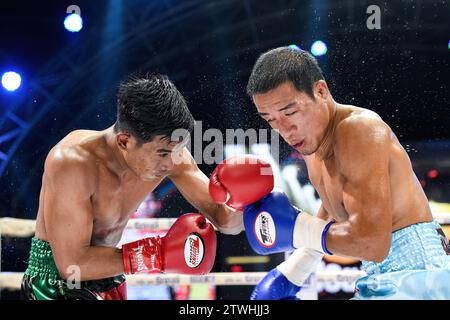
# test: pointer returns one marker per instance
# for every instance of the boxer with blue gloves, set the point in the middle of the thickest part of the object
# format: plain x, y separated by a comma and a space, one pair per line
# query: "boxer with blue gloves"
364, 179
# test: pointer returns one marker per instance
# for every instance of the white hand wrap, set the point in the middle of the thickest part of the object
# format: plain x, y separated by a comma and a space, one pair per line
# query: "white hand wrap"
300, 265
310, 232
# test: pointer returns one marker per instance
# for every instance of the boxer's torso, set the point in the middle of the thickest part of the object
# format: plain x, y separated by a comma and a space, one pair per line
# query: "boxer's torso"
408, 201
115, 197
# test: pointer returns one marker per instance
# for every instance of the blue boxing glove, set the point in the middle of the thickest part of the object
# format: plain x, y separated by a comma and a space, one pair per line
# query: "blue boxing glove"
275, 286
273, 225
269, 223
286, 280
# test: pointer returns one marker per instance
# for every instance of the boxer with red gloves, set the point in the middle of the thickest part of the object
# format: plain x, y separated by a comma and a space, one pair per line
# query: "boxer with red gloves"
94, 180
189, 247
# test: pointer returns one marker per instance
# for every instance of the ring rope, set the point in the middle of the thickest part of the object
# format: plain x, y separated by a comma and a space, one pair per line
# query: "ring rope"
12, 280
21, 228
13, 227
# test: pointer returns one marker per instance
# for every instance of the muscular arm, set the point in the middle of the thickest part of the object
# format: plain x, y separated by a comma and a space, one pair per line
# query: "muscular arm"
322, 214
362, 153
193, 185
70, 182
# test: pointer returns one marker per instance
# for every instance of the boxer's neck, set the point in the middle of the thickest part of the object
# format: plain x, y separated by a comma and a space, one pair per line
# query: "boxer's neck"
326, 145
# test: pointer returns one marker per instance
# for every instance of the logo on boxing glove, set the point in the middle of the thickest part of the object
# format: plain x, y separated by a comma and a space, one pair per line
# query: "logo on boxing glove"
194, 250
140, 265
264, 229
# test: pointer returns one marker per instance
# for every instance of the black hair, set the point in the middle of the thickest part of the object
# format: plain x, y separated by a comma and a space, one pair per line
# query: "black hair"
151, 105
284, 64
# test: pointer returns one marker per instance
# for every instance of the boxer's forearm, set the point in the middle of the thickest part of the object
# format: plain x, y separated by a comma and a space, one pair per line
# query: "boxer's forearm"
227, 221
93, 263
353, 238
344, 239
223, 218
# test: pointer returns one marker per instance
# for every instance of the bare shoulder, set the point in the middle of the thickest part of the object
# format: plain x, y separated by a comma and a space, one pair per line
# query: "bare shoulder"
71, 164
362, 126
362, 140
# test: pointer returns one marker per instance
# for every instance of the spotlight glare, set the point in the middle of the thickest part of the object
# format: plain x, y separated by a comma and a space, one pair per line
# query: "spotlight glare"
319, 48
11, 80
73, 22
294, 47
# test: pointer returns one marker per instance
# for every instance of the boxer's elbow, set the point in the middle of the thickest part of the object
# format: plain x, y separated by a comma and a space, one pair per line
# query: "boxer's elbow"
377, 254
67, 270
372, 246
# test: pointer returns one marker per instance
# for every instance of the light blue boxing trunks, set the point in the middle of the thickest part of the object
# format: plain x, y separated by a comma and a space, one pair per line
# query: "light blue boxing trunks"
417, 267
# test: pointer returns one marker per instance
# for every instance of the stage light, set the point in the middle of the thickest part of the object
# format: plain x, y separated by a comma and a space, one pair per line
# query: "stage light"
73, 22
448, 44
432, 174
11, 80
319, 48
236, 269
294, 47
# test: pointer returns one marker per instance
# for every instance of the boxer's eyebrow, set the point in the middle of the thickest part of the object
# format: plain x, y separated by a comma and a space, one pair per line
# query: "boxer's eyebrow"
289, 105
163, 150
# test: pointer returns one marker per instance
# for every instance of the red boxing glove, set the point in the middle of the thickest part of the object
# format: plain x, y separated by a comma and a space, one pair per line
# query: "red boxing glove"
241, 180
189, 247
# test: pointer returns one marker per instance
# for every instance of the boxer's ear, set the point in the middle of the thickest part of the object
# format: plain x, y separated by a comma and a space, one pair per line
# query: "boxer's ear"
123, 140
320, 90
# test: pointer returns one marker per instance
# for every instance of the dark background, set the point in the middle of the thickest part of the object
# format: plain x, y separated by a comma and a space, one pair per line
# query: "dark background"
208, 49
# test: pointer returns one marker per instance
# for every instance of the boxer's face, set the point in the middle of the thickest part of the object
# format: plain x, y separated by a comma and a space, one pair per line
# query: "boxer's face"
151, 160
299, 119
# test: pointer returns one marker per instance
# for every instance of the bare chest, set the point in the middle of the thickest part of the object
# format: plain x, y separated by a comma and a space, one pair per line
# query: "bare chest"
328, 183
113, 203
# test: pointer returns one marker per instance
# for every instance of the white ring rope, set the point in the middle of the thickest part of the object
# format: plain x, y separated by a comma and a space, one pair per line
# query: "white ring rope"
442, 217
12, 227
12, 280
21, 228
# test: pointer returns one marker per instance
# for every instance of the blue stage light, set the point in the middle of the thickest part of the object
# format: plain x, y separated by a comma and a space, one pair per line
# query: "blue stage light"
11, 80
